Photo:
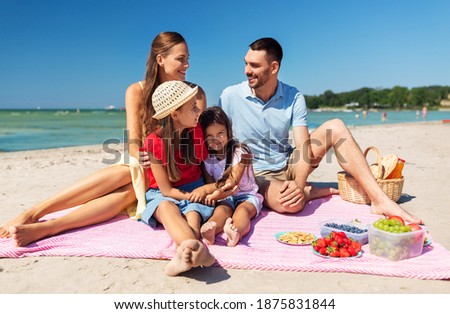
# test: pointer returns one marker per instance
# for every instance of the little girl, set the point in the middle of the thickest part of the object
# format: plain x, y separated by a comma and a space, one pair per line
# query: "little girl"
229, 164
176, 150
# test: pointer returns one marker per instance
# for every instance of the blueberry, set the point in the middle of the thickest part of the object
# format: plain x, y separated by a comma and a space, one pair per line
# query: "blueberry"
345, 228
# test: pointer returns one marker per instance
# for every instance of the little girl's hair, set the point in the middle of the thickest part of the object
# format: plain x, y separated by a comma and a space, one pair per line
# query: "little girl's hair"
215, 114
172, 140
168, 97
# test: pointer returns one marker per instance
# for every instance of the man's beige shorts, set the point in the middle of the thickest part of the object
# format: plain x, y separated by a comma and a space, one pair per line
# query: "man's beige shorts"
264, 177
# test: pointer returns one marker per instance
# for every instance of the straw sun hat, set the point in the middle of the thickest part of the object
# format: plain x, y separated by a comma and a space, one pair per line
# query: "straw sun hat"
171, 95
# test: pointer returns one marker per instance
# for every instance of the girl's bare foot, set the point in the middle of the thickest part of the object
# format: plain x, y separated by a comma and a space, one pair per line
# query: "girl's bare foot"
24, 218
208, 232
201, 255
233, 235
389, 208
182, 261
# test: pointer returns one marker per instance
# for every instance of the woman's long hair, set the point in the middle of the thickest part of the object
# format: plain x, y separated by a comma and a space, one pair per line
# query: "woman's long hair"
161, 45
215, 114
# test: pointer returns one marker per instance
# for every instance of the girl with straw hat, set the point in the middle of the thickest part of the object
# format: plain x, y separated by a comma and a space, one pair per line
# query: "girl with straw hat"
176, 151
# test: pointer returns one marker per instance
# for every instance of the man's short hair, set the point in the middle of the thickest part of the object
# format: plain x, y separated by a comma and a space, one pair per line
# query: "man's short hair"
270, 46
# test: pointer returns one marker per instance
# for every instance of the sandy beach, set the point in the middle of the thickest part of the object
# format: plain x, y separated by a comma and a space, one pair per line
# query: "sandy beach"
30, 176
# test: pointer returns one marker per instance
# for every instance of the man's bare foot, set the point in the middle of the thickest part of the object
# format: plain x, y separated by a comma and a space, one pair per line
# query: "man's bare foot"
312, 192
24, 218
233, 235
389, 208
208, 232
182, 261
25, 234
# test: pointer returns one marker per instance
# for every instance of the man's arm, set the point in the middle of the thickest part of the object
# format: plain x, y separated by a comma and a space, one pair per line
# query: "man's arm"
291, 193
302, 155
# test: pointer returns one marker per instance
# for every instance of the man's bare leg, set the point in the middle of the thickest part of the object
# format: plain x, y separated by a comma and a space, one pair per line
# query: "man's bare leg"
271, 193
335, 134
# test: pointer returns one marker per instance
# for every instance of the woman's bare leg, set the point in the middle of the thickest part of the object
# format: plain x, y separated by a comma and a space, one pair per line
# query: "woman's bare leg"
95, 211
89, 188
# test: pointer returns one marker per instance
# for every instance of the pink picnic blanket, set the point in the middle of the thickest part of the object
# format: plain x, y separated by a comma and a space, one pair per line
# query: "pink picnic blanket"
123, 237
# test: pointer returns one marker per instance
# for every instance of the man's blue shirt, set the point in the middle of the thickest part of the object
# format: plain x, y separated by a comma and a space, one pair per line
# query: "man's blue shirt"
264, 127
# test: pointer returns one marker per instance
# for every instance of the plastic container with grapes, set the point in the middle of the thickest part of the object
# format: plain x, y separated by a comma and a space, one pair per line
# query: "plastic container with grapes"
395, 246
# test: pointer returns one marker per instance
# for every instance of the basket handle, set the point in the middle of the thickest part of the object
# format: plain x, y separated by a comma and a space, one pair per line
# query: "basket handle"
380, 166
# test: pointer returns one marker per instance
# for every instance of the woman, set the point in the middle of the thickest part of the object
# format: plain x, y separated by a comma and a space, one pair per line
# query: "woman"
101, 197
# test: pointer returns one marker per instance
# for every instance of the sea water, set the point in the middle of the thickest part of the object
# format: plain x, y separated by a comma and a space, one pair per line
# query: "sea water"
39, 129
354, 118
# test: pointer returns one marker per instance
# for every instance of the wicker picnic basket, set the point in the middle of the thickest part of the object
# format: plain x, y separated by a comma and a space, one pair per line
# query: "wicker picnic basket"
351, 191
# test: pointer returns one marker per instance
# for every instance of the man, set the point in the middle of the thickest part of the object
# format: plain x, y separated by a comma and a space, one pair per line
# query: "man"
263, 109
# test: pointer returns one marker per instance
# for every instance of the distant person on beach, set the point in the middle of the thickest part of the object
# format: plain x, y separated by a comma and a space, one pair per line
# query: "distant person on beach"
108, 192
176, 149
228, 164
263, 110
383, 116
424, 112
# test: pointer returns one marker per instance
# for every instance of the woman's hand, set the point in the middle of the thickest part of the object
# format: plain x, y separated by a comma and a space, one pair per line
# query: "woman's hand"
144, 159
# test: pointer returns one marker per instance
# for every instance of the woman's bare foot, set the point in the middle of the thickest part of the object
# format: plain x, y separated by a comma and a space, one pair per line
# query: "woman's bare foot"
182, 261
233, 235
389, 208
312, 192
208, 232
26, 234
24, 218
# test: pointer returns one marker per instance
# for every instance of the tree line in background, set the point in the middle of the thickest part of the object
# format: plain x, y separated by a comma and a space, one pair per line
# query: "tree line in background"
397, 97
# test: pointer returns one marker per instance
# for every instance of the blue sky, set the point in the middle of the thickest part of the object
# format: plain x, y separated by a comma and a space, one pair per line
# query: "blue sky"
83, 54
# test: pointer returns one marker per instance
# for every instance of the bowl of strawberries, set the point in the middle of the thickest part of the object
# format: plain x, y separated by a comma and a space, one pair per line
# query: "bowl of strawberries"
336, 245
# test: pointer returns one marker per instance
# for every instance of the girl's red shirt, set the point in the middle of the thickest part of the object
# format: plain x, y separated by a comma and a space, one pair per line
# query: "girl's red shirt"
189, 172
